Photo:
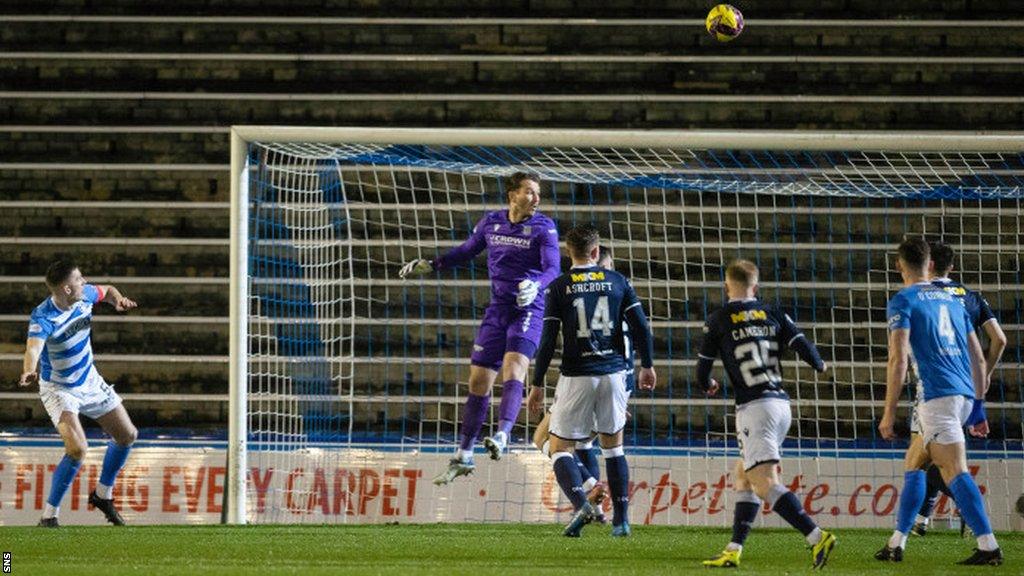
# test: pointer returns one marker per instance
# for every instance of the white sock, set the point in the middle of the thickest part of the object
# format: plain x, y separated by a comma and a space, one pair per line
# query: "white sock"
814, 537
465, 455
501, 437
734, 547
987, 543
589, 484
105, 492
922, 520
898, 540
50, 511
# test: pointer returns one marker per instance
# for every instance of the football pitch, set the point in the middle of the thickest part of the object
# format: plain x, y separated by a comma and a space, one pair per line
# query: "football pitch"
450, 549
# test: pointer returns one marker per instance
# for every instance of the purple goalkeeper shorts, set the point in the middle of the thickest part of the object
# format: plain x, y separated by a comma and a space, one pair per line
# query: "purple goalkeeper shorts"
507, 328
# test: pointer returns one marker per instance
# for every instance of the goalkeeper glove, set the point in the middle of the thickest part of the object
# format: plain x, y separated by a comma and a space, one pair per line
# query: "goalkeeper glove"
415, 268
977, 413
528, 290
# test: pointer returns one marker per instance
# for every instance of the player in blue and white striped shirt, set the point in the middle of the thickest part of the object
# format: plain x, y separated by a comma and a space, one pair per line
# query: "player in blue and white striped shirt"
59, 344
938, 329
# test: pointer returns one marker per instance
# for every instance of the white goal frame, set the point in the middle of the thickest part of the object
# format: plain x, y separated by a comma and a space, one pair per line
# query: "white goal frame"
241, 136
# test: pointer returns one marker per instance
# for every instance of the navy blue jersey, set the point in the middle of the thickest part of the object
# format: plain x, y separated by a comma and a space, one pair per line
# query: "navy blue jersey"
977, 308
750, 337
591, 304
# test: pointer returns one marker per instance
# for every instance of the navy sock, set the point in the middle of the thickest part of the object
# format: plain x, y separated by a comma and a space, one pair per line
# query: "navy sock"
747, 507
618, 483
911, 496
569, 479
789, 508
588, 460
65, 473
968, 499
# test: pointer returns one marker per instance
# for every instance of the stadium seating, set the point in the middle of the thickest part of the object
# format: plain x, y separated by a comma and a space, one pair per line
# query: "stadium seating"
104, 112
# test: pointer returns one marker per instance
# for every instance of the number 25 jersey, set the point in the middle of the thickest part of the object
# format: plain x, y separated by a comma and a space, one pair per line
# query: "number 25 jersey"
750, 337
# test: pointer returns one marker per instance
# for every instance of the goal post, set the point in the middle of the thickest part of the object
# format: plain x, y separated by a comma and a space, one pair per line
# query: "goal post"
346, 383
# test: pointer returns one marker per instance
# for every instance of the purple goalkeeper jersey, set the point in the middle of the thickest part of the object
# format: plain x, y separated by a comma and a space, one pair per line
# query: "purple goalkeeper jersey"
515, 252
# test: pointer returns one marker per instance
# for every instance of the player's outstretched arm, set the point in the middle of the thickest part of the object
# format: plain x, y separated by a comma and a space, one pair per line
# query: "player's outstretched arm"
113, 296
33, 349
798, 342
896, 372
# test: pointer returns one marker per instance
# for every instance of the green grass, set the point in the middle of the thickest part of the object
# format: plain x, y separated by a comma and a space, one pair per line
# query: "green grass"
505, 549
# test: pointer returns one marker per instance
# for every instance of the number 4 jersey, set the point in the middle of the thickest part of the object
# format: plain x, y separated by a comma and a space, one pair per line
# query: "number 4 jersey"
939, 325
750, 337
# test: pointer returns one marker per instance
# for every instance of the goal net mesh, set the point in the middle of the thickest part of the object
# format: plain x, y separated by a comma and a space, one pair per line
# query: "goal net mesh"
356, 378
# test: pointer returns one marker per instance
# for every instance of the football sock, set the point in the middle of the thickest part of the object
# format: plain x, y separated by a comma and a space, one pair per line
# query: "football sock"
786, 505
568, 476
511, 402
588, 459
747, 507
113, 461
910, 498
63, 475
618, 483
968, 499
472, 419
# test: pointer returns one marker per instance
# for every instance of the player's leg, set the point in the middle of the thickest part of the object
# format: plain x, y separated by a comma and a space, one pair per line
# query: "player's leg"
75, 446
119, 426
590, 470
764, 425
473, 416
540, 435
748, 504
610, 419
587, 459
943, 424
931, 494
513, 374
572, 417
522, 336
62, 406
911, 497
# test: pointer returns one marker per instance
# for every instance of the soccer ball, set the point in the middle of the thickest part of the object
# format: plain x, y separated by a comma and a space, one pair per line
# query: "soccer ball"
724, 22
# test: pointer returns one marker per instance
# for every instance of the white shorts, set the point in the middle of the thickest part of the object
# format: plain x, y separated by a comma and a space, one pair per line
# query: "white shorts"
586, 404
942, 419
94, 397
915, 416
761, 426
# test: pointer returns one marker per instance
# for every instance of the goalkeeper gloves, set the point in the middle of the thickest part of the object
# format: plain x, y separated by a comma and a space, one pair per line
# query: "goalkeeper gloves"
977, 413
528, 290
415, 268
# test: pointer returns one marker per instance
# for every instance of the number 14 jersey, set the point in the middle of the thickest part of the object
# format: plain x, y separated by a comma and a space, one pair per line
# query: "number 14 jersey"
750, 337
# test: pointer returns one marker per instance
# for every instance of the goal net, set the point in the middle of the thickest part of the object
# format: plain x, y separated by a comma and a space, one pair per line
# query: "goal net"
348, 383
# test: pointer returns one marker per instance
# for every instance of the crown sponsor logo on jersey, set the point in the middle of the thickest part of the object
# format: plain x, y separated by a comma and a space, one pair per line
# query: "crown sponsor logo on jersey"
956, 290
748, 315
587, 276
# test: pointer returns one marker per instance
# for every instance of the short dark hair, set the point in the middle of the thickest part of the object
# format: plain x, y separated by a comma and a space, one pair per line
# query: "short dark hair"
942, 256
59, 271
742, 271
914, 251
516, 180
582, 239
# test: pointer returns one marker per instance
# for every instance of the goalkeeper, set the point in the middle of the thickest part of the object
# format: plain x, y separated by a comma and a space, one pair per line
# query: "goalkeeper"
522, 258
